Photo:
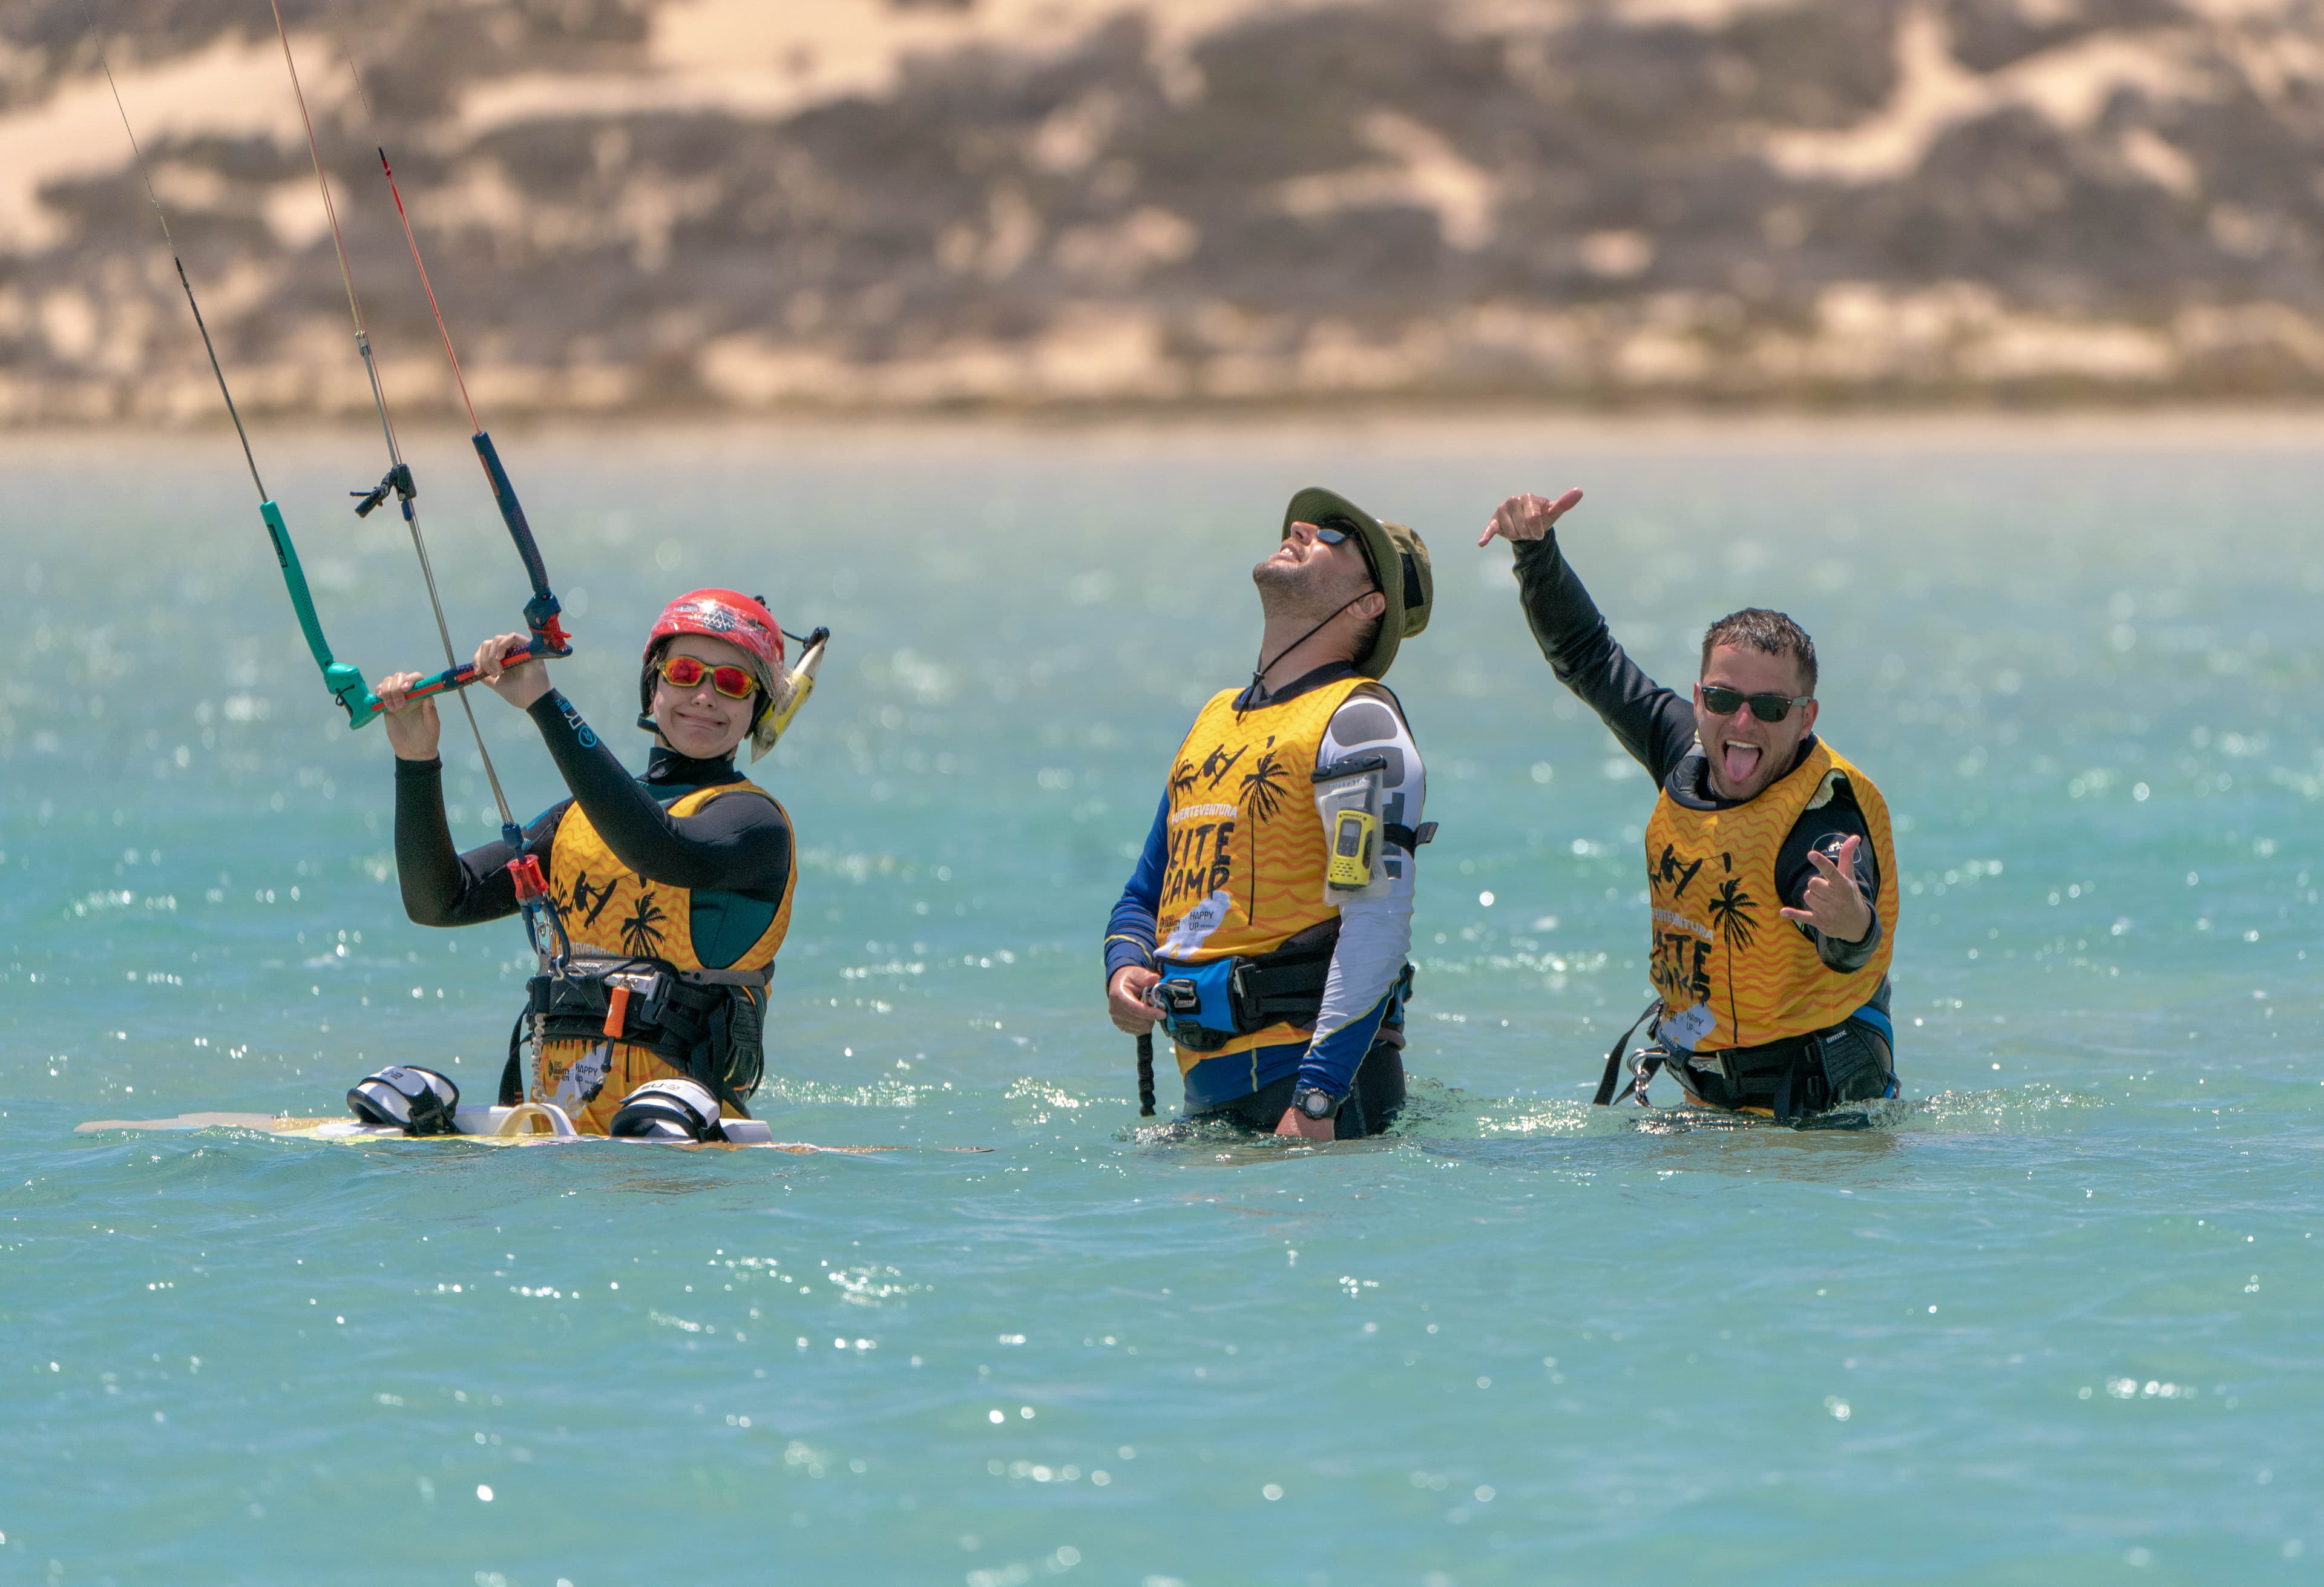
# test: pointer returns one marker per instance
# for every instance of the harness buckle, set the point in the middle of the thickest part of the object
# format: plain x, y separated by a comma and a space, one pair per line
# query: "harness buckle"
652, 990
1177, 996
1179, 1000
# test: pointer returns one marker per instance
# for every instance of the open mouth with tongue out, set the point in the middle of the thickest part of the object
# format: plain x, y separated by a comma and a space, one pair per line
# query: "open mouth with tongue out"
1738, 761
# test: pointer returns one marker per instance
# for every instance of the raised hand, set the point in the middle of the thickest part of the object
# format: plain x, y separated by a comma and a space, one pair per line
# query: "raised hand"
521, 683
1836, 906
1528, 517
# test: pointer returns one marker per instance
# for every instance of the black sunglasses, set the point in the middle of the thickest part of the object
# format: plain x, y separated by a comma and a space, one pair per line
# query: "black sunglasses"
1337, 529
1721, 701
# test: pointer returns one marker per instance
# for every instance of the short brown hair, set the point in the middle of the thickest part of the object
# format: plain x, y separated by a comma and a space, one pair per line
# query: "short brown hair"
1769, 632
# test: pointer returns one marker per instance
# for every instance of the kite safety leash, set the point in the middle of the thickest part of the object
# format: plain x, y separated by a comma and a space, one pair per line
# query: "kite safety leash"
540, 910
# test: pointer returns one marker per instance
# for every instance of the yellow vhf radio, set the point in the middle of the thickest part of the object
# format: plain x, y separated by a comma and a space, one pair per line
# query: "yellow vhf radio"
1350, 793
1355, 839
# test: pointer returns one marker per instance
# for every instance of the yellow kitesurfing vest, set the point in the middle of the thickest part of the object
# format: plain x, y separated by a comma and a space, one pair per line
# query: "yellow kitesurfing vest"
1246, 849
1730, 971
611, 912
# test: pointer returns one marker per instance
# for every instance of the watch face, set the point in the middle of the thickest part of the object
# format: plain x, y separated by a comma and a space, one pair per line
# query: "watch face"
1315, 1104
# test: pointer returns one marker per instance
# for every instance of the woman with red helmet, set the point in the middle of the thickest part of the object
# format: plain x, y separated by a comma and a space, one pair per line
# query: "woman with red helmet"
674, 887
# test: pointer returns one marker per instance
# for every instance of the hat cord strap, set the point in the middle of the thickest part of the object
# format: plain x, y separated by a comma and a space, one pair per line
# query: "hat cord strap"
1268, 665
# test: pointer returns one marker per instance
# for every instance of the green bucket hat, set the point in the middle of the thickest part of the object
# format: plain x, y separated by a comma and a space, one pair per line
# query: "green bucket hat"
1399, 562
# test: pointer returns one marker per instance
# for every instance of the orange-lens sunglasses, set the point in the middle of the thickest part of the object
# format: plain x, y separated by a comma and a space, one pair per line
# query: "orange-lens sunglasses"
685, 672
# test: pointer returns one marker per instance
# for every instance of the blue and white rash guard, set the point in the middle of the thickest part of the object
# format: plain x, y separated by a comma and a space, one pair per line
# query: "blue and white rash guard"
1375, 925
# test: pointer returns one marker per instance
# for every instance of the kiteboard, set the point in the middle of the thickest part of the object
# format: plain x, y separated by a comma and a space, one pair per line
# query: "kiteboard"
528, 1124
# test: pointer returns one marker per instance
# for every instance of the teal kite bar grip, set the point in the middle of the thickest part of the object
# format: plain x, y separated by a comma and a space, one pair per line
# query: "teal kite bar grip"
294, 578
344, 683
347, 687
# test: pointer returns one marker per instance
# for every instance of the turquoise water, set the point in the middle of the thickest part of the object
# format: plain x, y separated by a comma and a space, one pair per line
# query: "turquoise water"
2055, 1325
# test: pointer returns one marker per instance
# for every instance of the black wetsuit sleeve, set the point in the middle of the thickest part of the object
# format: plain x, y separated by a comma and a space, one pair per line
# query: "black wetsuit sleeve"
739, 844
442, 887
1825, 829
1654, 724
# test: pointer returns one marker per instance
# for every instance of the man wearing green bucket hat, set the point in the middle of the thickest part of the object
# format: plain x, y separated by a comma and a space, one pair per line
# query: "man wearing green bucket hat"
1266, 923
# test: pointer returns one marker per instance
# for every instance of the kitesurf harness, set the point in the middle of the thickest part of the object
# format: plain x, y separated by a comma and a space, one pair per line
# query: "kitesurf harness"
633, 973
709, 1025
1206, 1005
1800, 1074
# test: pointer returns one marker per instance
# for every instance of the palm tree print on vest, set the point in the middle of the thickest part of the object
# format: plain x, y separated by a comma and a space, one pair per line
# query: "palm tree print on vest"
1731, 912
642, 932
1262, 786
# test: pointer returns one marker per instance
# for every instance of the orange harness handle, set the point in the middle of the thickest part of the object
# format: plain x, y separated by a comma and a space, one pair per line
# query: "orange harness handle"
617, 1010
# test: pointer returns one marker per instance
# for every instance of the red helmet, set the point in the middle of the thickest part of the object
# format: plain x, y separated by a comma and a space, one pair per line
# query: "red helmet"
739, 620
742, 621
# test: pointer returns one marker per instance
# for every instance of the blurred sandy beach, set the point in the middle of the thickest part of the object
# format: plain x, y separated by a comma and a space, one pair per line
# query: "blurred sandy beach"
1553, 438
691, 207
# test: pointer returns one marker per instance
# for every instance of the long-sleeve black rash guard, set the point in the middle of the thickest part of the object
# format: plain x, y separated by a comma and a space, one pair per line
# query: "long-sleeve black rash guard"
735, 845
1656, 726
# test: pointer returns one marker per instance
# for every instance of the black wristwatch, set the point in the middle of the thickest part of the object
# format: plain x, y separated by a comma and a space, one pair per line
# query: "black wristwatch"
1314, 1102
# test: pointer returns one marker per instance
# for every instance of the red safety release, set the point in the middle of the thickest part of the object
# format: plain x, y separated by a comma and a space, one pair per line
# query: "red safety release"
531, 884
617, 1008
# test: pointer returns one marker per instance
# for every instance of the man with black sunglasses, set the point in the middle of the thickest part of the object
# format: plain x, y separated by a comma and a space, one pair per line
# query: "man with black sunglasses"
1759, 823
1266, 923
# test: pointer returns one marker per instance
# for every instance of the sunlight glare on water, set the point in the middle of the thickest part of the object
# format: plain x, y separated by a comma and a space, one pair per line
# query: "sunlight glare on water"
2050, 1320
